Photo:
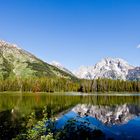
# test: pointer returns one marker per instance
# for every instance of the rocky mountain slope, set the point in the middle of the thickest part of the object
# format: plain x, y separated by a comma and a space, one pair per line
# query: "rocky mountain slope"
113, 68
15, 61
134, 74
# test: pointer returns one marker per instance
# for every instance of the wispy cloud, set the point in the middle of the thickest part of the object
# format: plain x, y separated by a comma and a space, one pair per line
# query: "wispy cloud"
138, 47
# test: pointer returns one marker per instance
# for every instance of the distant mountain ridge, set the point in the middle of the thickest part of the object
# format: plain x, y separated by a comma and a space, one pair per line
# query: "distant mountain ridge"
61, 67
112, 68
15, 61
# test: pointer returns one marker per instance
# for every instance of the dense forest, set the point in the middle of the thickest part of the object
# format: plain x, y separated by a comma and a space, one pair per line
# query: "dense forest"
66, 85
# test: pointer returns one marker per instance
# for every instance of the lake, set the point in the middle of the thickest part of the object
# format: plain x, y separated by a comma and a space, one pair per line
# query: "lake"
116, 115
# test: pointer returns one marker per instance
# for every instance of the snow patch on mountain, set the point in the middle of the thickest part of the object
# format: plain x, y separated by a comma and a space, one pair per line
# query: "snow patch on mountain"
61, 67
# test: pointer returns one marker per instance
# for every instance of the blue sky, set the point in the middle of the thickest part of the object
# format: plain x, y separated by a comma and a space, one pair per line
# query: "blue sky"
73, 32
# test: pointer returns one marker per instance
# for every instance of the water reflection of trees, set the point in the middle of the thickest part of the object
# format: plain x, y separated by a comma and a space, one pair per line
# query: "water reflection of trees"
27, 102
111, 100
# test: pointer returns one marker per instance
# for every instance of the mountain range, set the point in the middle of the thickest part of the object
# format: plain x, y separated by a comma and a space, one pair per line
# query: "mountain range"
15, 61
112, 68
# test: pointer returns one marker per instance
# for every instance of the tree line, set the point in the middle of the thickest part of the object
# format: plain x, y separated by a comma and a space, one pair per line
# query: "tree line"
65, 85
106, 85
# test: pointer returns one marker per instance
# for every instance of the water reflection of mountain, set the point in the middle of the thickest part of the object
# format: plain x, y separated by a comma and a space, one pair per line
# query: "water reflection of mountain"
117, 122
109, 115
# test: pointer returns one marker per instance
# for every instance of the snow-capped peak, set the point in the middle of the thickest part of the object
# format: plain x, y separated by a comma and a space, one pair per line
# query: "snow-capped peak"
113, 68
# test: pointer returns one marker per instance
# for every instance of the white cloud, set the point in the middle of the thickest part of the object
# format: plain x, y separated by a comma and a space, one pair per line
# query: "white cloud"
138, 47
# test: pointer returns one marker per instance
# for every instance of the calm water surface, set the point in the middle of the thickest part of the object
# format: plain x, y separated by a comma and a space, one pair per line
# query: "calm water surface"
116, 115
